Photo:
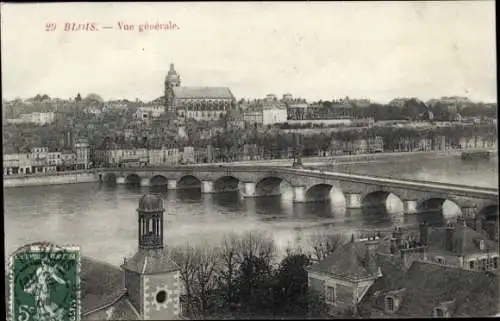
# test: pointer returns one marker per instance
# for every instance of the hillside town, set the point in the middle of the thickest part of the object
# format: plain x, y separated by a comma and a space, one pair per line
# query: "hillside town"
189, 125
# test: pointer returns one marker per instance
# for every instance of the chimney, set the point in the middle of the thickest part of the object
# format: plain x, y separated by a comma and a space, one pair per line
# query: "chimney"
397, 236
412, 251
371, 245
461, 221
449, 236
423, 233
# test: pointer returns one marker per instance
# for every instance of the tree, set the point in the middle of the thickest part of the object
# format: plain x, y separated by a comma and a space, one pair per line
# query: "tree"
323, 244
292, 283
229, 263
255, 285
78, 98
246, 272
206, 261
185, 258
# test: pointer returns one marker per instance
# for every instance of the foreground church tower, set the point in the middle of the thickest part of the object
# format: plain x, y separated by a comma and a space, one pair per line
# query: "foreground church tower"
172, 80
151, 276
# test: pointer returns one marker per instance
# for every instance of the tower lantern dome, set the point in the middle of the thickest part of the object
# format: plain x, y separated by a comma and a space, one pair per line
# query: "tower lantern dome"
150, 217
150, 203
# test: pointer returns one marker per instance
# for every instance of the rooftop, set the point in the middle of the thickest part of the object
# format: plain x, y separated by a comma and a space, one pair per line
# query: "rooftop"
151, 202
429, 285
351, 261
203, 92
151, 262
465, 241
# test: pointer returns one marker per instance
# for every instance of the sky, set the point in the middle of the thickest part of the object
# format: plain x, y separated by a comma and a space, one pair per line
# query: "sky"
318, 50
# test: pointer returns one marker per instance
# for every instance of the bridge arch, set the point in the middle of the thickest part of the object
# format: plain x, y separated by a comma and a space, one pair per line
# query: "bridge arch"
438, 209
487, 221
109, 178
158, 180
132, 179
319, 192
226, 184
270, 185
189, 182
379, 199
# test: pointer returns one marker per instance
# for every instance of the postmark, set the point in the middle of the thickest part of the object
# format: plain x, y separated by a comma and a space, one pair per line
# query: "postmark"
45, 283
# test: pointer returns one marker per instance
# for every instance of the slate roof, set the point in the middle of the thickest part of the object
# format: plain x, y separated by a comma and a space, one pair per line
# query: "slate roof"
350, 261
122, 309
428, 285
203, 92
102, 283
151, 262
151, 203
465, 238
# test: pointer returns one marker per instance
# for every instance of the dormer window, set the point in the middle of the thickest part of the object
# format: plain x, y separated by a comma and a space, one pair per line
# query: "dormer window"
390, 304
481, 245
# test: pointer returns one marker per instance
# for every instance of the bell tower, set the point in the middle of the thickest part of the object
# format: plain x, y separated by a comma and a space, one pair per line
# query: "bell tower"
150, 222
151, 276
171, 80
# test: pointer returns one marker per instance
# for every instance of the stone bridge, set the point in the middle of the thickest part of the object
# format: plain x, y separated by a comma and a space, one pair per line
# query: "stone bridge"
312, 185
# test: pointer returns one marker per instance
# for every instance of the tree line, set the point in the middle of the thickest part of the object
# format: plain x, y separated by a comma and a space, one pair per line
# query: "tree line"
244, 276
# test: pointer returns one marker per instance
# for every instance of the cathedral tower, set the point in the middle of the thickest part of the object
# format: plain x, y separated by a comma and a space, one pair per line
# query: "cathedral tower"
151, 276
171, 80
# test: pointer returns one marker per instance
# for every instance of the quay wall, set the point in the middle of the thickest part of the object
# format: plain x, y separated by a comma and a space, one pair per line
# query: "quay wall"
43, 180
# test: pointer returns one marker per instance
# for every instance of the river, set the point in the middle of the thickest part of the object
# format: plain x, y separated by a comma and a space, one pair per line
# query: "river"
103, 219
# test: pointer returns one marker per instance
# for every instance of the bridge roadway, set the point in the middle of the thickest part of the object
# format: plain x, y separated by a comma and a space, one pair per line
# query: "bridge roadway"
428, 186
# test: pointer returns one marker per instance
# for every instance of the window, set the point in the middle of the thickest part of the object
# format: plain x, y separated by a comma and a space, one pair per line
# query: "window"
161, 296
472, 265
330, 294
481, 245
495, 262
389, 304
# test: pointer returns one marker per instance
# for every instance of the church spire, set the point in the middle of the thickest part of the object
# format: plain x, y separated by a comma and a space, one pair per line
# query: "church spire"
150, 222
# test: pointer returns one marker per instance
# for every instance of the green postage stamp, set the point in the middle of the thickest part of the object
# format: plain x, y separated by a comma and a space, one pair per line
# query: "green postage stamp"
45, 283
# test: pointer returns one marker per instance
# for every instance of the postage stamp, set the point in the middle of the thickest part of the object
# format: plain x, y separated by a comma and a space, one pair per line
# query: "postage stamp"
45, 283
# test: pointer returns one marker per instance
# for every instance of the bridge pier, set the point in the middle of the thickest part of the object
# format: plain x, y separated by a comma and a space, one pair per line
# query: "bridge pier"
479, 224
171, 184
120, 180
145, 182
247, 189
409, 206
353, 200
207, 187
299, 194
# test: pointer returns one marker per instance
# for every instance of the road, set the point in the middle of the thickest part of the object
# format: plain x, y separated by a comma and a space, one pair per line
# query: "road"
339, 159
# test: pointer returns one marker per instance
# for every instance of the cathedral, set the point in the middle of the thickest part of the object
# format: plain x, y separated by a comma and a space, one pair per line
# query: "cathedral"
199, 103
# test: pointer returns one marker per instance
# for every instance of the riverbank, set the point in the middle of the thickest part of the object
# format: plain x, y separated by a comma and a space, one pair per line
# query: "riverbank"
344, 159
46, 180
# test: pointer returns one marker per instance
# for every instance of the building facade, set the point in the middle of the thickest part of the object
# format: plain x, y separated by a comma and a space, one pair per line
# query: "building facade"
199, 103
399, 276
267, 111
